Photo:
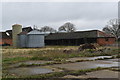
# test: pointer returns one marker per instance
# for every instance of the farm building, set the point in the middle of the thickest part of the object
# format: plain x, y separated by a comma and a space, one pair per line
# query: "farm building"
27, 37
79, 37
6, 37
32, 39
21, 38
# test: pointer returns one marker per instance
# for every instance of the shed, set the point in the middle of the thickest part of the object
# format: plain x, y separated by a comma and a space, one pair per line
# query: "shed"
35, 39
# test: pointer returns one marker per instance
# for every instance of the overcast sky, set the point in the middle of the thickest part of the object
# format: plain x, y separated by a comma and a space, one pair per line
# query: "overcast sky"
84, 15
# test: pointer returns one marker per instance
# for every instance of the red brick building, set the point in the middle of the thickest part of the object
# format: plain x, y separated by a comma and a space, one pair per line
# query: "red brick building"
5, 39
105, 39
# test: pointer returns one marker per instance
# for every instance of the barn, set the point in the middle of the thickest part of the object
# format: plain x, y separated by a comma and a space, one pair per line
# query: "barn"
79, 37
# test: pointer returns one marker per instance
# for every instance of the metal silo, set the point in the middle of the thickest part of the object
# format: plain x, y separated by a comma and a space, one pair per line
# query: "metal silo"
35, 39
22, 39
16, 29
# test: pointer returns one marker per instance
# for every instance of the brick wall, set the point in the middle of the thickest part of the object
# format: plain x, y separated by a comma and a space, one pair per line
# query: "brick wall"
3, 41
105, 41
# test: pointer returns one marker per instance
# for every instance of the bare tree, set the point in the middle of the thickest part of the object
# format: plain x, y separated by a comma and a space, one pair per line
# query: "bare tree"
113, 27
47, 29
68, 27
35, 27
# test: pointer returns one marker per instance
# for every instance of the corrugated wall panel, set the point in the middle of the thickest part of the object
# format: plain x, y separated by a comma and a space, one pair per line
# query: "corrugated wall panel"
22, 40
35, 40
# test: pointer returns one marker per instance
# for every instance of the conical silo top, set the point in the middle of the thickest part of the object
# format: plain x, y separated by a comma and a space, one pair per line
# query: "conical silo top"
16, 25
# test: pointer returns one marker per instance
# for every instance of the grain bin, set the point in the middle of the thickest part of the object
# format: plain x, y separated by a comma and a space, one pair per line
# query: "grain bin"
16, 29
35, 39
22, 39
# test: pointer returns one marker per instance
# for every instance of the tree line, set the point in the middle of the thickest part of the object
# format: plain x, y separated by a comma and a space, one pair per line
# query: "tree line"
67, 27
112, 27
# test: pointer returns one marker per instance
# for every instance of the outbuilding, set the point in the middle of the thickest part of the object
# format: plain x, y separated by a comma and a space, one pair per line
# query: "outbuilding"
33, 39
79, 37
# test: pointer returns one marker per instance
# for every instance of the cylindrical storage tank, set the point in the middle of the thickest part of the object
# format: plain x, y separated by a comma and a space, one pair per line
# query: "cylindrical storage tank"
35, 39
16, 29
22, 39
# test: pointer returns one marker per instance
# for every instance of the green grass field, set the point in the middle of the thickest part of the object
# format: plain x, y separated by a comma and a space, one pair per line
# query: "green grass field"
12, 55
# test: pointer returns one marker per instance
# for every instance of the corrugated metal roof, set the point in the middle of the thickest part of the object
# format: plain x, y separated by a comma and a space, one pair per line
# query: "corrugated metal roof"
35, 32
23, 33
72, 35
103, 34
3, 35
76, 35
25, 29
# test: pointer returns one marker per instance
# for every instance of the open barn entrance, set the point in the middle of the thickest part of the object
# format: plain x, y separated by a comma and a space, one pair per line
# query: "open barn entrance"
70, 42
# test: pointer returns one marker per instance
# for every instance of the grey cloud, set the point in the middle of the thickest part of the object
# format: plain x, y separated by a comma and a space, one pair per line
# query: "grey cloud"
42, 13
